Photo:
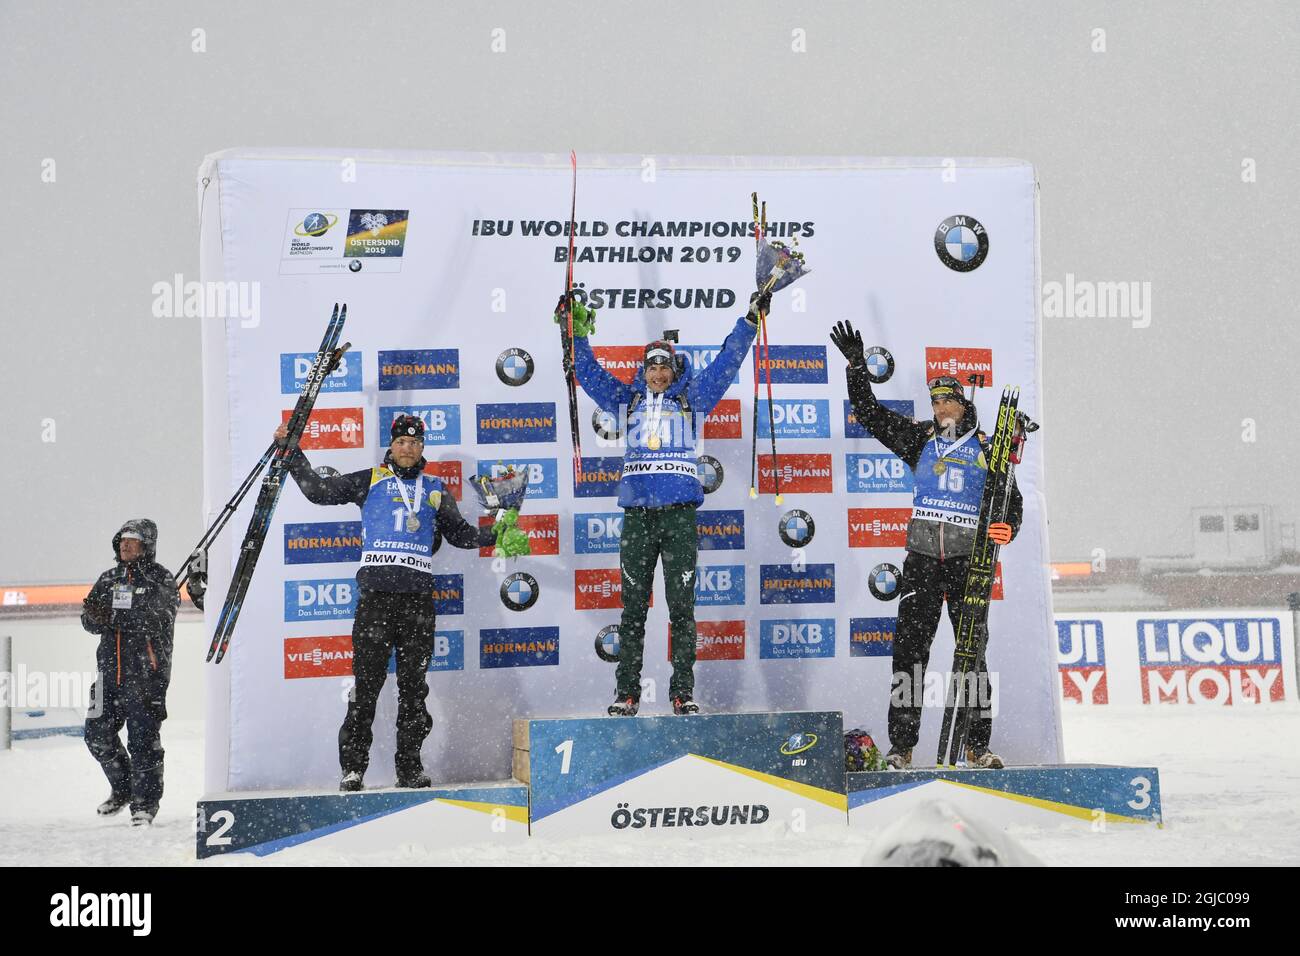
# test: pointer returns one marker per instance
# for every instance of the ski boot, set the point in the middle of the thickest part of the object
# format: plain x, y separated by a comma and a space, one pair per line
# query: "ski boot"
684, 706
143, 817
419, 780
899, 759
983, 759
624, 707
351, 782
113, 805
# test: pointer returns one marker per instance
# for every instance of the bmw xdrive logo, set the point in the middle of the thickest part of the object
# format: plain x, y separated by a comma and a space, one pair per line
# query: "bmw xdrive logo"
880, 365
607, 644
519, 591
606, 425
514, 367
883, 582
710, 473
796, 528
961, 242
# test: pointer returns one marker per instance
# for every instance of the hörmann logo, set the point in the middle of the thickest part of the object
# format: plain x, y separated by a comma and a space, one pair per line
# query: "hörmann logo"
296, 366
515, 422
322, 542
719, 584
598, 589
797, 638
795, 365
877, 474
542, 480
959, 363
543, 533
329, 428
715, 641
800, 474
1081, 658
878, 527
720, 530
411, 369
519, 647
317, 657
449, 472
600, 533
320, 599
599, 478
781, 584
872, 636
1210, 660
724, 420
621, 361
441, 422
448, 594
854, 429
795, 418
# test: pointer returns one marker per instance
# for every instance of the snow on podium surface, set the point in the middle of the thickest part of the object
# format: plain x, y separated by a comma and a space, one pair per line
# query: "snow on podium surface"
1230, 788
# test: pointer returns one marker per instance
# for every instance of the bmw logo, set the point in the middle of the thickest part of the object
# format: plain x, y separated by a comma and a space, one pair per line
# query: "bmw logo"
355, 265
519, 591
798, 743
883, 582
514, 367
607, 644
961, 242
606, 425
880, 365
315, 225
796, 528
710, 473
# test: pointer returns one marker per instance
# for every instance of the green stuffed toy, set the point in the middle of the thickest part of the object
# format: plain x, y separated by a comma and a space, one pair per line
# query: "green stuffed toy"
584, 319
511, 542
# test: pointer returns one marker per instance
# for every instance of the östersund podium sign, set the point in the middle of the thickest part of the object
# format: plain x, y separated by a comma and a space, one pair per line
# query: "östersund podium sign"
692, 776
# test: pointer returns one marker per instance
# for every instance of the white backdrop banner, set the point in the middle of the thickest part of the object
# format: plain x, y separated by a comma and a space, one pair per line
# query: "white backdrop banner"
450, 266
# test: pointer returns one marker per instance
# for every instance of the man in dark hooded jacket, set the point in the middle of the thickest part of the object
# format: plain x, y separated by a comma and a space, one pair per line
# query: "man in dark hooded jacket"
132, 608
948, 455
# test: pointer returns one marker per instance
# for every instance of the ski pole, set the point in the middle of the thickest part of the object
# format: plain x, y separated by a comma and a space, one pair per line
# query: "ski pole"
753, 449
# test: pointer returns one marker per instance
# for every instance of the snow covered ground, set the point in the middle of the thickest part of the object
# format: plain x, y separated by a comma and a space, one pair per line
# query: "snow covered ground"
1230, 779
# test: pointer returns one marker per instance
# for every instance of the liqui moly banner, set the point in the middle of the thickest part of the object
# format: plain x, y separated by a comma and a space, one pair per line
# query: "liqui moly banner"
450, 265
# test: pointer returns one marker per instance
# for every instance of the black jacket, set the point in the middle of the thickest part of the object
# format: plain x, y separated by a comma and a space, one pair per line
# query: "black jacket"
135, 643
352, 489
907, 439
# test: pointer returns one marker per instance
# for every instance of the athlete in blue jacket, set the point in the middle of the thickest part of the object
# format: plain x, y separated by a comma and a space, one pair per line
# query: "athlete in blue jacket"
664, 409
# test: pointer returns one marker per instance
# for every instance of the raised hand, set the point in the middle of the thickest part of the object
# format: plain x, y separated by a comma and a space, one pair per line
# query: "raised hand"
849, 342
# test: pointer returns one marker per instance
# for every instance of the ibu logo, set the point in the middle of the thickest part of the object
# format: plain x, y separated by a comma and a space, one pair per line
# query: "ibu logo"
795, 418
719, 585
413, 369
720, 530
700, 356
441, 422
542, 477
295, 366
872, 636
519, 647
877, 474
1081, 659
516, 423
855, 429
784, 640
320, 599
597, 533
448, 653
795, 365
322, 542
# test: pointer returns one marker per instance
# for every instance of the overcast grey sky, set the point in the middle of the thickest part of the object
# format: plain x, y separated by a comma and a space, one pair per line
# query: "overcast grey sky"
1139, 150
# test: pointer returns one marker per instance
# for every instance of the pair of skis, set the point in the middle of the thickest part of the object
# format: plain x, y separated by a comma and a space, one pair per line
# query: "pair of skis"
972, 626
276, 461
565, 309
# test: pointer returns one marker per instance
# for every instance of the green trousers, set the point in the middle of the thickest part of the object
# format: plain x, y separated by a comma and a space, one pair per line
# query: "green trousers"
648, 534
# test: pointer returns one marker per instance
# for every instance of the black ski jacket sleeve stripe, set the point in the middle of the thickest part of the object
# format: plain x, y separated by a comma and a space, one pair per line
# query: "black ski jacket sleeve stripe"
459, 532
904, 437
349, 489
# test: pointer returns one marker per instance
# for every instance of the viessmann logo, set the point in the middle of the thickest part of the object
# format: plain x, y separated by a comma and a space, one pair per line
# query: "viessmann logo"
598, 589
329, 428
715, 641
318, 657
515, 422
621, 361
800, 474
321, 542
412, 369
959, 363
878, 527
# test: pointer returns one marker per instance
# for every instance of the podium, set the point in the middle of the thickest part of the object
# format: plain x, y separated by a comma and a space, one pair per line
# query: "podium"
1092, 795
621, 777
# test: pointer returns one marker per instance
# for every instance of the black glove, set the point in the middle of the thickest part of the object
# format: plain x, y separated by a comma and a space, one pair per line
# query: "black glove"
849, 342
759, 302
98, 611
